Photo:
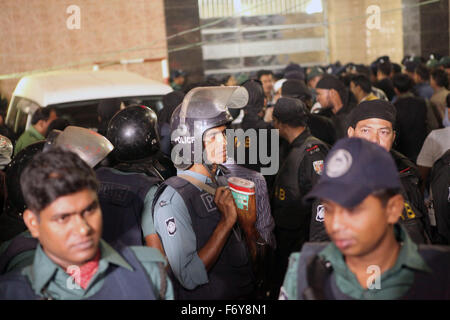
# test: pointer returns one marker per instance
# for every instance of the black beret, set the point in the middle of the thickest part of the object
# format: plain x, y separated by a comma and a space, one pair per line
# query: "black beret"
329, 81
295, 89
379, 109
287, 109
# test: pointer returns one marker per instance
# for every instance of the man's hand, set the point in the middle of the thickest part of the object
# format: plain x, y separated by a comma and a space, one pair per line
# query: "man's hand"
210, 252
226, 205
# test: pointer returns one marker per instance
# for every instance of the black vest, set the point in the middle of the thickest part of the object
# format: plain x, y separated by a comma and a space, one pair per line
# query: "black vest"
316, 279
122, 198
18, 245
440, 187
414, 216
231, 276
119, 284
287, 200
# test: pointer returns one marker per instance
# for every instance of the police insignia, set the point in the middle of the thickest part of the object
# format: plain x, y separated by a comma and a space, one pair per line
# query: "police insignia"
339, 163
313, 149
171, 226
318, 166
320, 216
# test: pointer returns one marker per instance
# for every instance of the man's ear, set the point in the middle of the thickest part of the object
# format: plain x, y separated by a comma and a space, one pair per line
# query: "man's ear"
350, 132
394, 208
31, 220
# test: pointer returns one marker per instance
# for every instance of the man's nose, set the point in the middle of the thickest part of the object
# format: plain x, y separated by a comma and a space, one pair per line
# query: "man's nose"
337, 220
82, 226
375, 138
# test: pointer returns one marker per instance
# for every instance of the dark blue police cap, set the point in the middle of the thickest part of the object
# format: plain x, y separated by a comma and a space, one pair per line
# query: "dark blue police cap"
354, 169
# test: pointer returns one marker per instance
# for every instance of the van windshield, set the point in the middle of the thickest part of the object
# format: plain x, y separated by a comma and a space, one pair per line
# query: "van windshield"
78, 113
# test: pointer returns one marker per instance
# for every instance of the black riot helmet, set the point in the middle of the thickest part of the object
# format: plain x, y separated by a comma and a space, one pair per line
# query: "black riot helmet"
15, 202
203, 108
133, 132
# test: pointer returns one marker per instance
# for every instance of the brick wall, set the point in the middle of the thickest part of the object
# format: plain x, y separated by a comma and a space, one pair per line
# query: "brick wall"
34, 35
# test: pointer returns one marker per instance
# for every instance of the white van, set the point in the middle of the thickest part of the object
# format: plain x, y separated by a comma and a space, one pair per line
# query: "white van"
75, 95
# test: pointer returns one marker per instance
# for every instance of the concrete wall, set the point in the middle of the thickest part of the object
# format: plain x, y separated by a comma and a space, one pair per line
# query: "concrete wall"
411, 28
181, 16
434, 21
34, 35
350, 39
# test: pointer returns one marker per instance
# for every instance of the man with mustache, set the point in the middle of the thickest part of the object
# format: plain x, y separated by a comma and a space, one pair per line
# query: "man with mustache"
371, 256
375, 121
71, 261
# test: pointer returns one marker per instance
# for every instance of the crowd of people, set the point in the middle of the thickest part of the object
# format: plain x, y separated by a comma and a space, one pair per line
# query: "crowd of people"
145, 207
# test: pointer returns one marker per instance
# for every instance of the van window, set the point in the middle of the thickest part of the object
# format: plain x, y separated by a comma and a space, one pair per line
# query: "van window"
18, 112
84, 113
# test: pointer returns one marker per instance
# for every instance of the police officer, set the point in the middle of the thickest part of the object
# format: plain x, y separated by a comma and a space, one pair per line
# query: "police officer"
6, 150
336, 100
11, 222
126, 190
64, 214
91, 147
321, 127
298, 173
197, 225
375, 121
370, 256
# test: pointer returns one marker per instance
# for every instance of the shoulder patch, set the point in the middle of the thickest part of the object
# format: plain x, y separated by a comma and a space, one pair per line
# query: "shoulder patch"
166, 197
320, 215
318, 166
171, 226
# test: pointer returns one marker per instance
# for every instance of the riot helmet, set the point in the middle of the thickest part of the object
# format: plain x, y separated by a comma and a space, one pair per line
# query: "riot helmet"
89, 145
6, 150
203, 108
15, 202
133, 132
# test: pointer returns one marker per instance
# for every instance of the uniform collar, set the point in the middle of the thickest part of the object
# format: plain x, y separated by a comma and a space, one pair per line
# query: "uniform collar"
195, 175
369, 97
408, 256
44, 269
301, 138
